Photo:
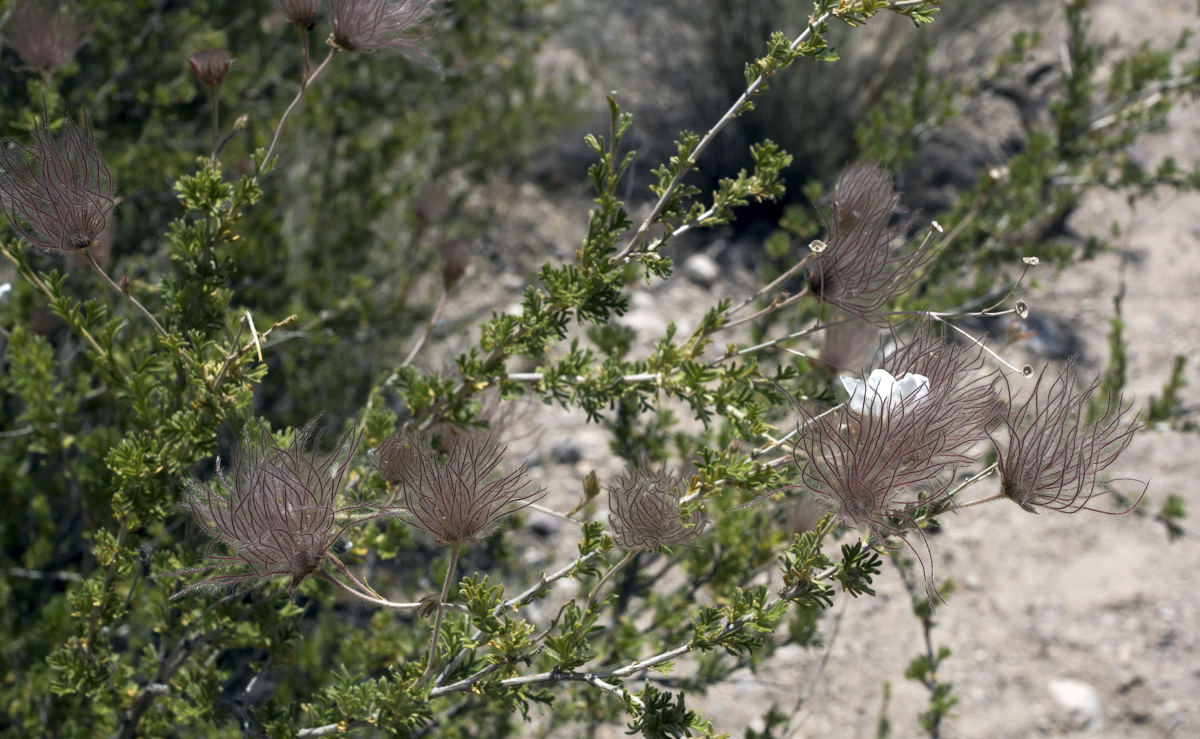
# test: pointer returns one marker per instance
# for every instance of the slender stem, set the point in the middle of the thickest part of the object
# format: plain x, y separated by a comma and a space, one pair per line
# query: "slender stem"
596, 590
641, 665
364, 597
988, 499
598, 676
213, 95
799, 427
979, 342
771, 286
308, 79
539, 376
437, 312
307, 63
972, 480
437, 621
685, 167
774, 306
774, 342
556, 514
128, 295
346, 571
966, 484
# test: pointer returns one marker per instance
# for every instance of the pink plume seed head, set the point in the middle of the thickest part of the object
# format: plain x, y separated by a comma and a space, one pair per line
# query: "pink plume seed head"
368, 26
57, 192
1049, 457
459, 499
45, 34
866, 260
274, 511
877, 470
643, 511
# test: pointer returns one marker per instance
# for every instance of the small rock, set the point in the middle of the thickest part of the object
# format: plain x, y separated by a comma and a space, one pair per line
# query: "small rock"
701, 269
542, 524
565, 452
1080, 700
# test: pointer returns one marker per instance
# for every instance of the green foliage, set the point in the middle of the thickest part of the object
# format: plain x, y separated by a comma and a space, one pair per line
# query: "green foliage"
663, 716
1017, 209
1165, 407
1173, 511
285, 276
1112, 382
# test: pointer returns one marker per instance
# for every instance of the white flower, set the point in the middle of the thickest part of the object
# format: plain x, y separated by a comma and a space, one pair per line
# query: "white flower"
4, 289
881, 392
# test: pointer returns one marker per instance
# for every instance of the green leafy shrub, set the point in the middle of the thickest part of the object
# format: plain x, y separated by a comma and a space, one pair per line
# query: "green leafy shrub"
269, 273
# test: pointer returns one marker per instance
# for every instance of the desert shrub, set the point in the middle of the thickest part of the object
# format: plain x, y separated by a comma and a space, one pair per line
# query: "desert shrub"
211, 249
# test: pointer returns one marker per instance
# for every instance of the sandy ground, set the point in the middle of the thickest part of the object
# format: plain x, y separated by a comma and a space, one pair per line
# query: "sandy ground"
1062, 625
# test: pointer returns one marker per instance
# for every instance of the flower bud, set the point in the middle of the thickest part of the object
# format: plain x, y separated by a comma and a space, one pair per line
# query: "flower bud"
211, 66
456, 257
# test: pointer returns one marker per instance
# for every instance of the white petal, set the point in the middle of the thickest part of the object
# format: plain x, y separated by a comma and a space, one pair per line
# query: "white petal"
880, 388
857, 390
851, 384
911, 388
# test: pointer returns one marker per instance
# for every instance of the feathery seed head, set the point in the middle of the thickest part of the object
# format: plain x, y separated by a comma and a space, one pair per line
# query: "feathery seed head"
366, 26
643, 510
898, 444
1049, 456
459, 500
302, 13
274, 511
211, 66
45, 34
56, 192
866, 260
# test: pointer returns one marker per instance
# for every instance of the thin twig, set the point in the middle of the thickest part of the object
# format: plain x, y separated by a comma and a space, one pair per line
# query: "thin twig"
770, 286
685, 167
518, 601
308, 79
556, 514
254, 335
364, 597
127, 294
596, 590
539, 376
428, 329
437, 621
775, 305
971, 481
